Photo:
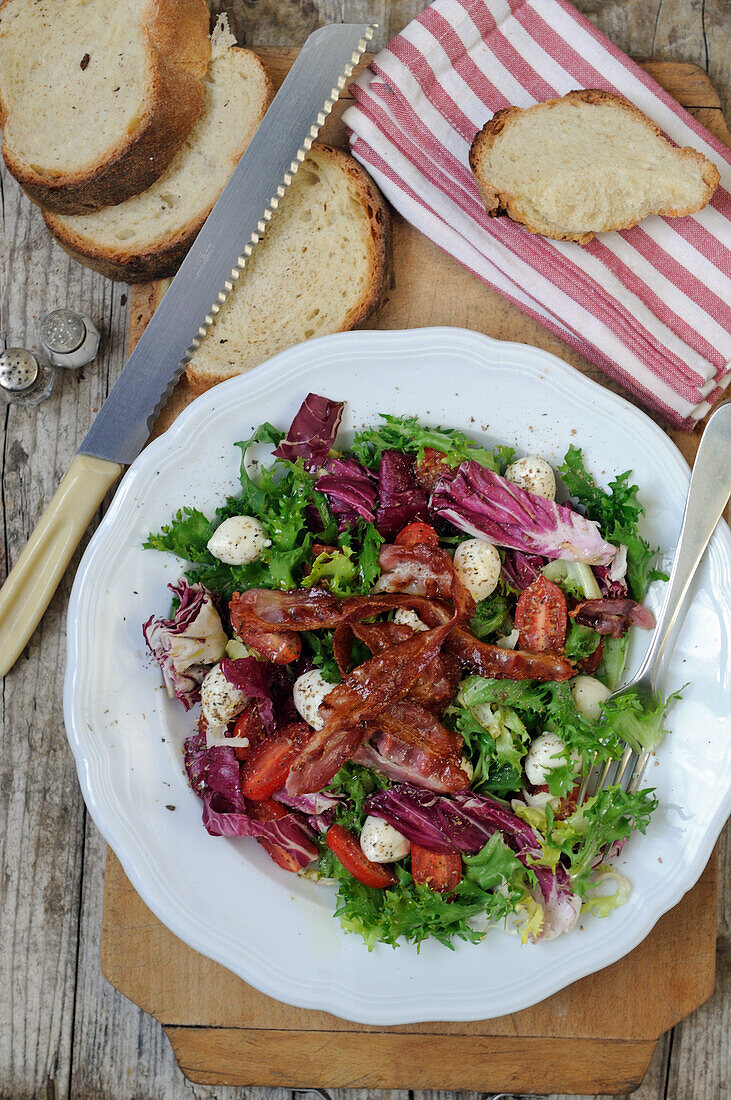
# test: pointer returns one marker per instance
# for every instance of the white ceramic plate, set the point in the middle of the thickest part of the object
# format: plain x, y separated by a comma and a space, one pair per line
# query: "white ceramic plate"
225, 897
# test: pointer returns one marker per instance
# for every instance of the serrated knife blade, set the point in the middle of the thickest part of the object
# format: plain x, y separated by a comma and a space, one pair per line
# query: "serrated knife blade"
187, 310
233, 228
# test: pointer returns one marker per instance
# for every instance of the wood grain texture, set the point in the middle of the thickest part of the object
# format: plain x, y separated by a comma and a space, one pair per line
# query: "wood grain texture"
63, 1030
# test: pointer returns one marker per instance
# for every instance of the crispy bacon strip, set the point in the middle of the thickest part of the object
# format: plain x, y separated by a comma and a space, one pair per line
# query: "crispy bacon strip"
268, 620
438, 683
506, 664
359, 699
423, 571
613, 617
343, 646
306, 608
410, 744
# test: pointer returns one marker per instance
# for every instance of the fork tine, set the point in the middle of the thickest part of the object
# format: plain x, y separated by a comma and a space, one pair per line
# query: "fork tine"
622, 766
636, 777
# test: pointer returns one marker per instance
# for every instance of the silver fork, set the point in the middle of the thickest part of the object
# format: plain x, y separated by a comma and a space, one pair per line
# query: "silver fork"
708, 493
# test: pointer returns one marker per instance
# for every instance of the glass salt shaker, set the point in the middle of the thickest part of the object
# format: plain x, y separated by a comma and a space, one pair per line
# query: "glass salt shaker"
69, 339
23, 381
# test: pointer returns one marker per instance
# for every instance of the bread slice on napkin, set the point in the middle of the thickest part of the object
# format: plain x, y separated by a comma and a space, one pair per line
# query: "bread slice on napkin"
96, 98
147, 236
586, 163
320, 268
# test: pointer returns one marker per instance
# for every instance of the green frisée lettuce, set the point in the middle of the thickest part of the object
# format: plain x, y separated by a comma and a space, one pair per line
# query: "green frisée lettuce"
494, 886
586, 838
495, 742
492, 617
618, 512
406, 434
607, 818
641, 726
614, 658
581, 641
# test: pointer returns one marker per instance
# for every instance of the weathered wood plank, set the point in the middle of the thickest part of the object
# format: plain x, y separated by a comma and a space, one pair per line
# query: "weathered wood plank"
41, 810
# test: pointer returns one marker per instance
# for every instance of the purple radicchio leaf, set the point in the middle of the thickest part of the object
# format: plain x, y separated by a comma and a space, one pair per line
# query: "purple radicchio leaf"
186, 646
214, 769
520, 570
488, 506
312, 432
214, 776
350, 490
318, 807
464, 822
613, 589
291, 832
400, 497
249, 676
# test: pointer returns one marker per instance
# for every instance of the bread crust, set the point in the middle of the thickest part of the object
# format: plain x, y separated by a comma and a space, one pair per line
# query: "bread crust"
174, 104
497, 202
158, 261
380, 242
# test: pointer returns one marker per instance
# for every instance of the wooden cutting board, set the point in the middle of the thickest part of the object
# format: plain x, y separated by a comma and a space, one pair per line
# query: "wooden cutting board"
598, 1035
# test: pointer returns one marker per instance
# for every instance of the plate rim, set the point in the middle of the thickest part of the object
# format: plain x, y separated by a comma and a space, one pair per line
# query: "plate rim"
255, 382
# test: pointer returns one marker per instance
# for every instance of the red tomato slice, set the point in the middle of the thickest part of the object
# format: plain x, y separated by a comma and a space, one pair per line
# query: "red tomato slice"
249, 725
345, 846
266, 769
440, 871
540, 617
269, 810
417, 534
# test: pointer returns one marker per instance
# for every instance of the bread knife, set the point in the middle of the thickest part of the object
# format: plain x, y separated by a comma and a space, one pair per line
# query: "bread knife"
207, 275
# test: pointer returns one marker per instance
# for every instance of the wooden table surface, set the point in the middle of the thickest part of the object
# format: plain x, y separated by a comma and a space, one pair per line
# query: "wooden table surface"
64, 1032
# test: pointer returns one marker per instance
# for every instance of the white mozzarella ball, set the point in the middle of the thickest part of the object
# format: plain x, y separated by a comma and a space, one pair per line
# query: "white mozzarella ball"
477, 564
533, 474
220, 700
406, 617
239, 540
308, 692
589, 694
546, 752
381, 843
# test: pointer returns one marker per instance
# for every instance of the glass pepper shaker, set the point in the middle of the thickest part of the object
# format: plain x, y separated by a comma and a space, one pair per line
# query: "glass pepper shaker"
69, 339
23, 381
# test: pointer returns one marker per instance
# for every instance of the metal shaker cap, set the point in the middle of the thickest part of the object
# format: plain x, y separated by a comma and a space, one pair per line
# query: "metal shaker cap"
62, 331
19, 369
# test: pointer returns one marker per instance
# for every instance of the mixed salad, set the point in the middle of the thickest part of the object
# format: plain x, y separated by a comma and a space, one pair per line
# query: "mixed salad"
404, 651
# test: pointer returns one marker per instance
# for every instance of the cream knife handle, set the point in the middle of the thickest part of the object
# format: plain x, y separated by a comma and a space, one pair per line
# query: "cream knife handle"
35, 576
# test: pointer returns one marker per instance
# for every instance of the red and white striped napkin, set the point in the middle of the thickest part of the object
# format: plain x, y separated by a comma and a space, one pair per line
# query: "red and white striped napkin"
650, 306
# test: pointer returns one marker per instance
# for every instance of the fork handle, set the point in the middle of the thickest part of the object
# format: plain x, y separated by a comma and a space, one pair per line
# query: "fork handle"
710, 486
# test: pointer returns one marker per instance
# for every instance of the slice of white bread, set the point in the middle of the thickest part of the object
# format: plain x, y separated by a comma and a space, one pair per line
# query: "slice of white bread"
147, 236
97, 97
320, 268
586, 163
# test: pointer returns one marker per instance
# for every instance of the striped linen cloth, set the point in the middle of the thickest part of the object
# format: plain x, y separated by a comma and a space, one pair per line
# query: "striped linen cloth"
651, 305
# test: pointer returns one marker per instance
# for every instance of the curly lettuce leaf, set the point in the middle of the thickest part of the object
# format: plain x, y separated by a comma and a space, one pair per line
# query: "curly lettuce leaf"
495, 885
605, 819
406, 434
492, 617
618, 513
581, 641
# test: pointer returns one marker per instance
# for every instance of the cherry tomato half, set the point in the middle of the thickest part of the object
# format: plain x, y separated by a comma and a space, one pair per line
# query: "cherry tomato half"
345, 846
